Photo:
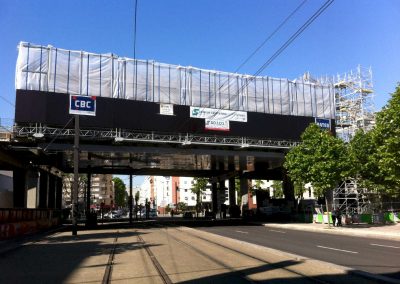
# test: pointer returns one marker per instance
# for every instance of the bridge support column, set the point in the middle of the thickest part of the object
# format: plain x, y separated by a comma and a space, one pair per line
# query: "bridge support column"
31, 187
59, 185
244, 193
19, 190
43, 189
214, 197
288, 190
232, 192
52, 192
88, 193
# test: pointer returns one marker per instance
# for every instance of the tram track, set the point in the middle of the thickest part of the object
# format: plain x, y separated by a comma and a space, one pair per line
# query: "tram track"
108, 271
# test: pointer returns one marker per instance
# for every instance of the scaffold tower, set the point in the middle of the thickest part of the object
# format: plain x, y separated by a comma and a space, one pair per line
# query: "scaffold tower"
352, 199
354, 106
354, 102
354, 111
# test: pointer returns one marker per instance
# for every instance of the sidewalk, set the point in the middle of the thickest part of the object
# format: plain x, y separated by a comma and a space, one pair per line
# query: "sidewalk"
391, 232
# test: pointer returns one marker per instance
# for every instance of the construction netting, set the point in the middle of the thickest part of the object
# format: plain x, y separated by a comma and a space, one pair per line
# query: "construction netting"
46, 68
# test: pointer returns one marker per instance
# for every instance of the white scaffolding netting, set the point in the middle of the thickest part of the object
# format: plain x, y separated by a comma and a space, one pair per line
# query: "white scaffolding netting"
46, 68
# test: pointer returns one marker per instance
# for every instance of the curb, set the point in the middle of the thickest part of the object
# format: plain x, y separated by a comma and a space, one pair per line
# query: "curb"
334, 231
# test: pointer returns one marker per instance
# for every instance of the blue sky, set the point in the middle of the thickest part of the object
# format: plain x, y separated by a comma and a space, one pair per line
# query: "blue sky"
211, 34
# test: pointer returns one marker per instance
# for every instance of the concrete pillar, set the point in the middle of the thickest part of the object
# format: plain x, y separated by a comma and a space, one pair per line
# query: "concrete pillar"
231, 182
232, 192
244, 193
214, 197
19, 192
51, 201
32, 187
43, 189
59, 185
88, 191
288, 190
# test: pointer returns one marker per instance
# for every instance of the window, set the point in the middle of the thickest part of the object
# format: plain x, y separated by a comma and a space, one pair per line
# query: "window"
186, 198
192, 197
204, 197
186, 190
185, 182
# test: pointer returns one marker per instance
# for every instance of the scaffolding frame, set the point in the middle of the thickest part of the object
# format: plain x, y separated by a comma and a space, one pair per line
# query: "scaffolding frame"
352, 199
354, 100
355, 110
119, 135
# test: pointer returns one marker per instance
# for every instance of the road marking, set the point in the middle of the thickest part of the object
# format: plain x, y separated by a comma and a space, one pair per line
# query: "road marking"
385, 246
242, 232
349, 251
277, 231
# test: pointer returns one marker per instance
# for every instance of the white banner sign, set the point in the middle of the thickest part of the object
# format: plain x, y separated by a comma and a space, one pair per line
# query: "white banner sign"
214, 124
218, 114
166, 109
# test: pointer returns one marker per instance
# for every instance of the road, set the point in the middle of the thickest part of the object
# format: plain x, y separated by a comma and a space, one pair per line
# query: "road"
376, 256
159, 254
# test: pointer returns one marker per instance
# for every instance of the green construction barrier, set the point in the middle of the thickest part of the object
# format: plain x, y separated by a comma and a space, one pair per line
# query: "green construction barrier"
366, 218
389, 217
320, 218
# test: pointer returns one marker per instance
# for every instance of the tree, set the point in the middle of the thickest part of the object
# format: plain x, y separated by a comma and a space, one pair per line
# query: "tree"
238, 192
278, 190
137, 197
199, 186
299, 189
68, 184
119, 191
386, 137
181, 206
321, 159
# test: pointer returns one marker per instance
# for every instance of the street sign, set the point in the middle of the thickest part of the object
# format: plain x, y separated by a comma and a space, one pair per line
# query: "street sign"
82, 105
216, 124
323, 123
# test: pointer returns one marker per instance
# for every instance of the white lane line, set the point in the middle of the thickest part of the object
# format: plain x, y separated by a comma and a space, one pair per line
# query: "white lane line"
242, 232
277, 231
349, 251
378, 245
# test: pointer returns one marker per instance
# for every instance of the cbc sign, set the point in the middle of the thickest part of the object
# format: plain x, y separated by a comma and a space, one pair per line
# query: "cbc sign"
82, 105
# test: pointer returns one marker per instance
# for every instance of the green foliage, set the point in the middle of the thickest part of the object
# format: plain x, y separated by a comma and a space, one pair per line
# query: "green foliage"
278, 189
258, 183
299, 189
386, 137
119, 190
199, 186
181, 206
321, 159
137, 197
237, 188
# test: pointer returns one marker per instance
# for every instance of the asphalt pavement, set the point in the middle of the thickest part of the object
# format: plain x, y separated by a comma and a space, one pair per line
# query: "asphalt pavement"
375, 250
155, 252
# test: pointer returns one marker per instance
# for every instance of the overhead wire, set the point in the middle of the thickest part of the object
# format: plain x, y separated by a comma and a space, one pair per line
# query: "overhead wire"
134, 30
295, 35
284, 46
270, 36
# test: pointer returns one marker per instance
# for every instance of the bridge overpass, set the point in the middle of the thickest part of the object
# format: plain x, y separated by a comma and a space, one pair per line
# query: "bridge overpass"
152, 119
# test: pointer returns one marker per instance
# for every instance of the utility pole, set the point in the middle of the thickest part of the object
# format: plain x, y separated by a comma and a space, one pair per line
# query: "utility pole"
130, 199
76, 177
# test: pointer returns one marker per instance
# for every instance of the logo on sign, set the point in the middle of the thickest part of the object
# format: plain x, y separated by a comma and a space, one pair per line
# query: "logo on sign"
323, 123
214, 124
82, 105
